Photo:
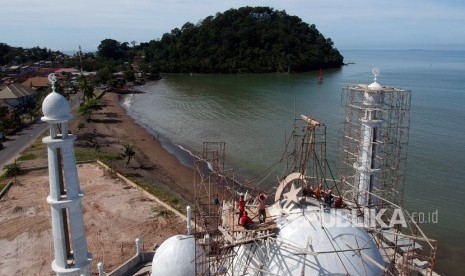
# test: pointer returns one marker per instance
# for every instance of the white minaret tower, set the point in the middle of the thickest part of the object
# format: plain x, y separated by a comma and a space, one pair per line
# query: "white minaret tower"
374, 143
368, 165
69, 239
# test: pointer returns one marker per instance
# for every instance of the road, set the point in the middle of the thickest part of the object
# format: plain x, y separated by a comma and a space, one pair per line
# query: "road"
24, 138
19, 141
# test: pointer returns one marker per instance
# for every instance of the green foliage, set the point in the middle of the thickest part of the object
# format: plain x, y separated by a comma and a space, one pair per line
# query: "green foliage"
85, 154
18, 55
13, 169
89, 107
128, 153
29, 156
129, 75
247, 39
81, 125
86, 87
112, 49
105, 74
165, 196
160, 211
9, 120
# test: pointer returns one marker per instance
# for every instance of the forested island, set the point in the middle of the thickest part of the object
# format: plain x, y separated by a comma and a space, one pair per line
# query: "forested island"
244, 40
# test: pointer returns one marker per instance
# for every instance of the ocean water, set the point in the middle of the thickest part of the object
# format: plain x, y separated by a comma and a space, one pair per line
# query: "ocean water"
253, 113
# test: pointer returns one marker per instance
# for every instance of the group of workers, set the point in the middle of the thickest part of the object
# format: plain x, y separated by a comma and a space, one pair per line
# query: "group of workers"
321, 194
244, 220
307, 191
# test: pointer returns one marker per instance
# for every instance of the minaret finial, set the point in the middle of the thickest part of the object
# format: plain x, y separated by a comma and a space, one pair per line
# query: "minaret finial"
52, 79
375, 71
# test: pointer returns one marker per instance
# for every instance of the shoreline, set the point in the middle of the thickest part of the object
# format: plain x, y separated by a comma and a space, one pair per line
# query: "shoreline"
112, 127
184, 155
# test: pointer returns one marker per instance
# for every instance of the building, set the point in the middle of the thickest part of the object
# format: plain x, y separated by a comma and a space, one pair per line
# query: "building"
17, 96
37, 82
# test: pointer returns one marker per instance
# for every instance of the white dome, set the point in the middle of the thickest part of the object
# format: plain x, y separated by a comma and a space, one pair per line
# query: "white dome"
305, 246
375, 86
176, 257
55, 108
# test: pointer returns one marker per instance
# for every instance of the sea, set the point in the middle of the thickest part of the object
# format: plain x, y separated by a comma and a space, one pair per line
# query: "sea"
253, 114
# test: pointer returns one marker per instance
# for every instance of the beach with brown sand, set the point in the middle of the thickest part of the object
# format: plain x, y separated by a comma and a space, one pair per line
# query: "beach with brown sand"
111, 128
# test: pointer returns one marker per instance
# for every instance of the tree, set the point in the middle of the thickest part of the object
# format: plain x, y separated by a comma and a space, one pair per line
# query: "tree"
89, 107
112, 49
129, 75
248, 39
104, 74
86, 87
128, 152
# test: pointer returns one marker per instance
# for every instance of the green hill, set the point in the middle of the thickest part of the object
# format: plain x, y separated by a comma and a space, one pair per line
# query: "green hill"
248, 39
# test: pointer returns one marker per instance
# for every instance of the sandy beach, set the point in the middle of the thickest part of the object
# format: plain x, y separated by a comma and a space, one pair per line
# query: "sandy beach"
111, 128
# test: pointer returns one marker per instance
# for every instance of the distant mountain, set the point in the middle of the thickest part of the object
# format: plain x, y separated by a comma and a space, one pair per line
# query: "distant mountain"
248, 39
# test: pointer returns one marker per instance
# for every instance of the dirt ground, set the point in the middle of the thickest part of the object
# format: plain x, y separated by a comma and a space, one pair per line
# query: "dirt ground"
115, 214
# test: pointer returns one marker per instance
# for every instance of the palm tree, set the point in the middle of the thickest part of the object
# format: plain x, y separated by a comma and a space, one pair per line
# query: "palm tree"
86, 87
88, 107
128, 152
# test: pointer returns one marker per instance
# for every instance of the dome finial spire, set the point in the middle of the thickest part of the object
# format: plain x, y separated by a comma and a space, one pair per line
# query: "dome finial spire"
375, 71
52, 79
375, 85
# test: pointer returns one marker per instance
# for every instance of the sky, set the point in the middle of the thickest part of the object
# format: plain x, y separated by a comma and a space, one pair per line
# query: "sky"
351, 24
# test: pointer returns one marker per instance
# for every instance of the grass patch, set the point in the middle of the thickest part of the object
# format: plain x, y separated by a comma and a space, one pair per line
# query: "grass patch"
84, 154
165, 196
160, 211
27, 156
12, 170
2, 186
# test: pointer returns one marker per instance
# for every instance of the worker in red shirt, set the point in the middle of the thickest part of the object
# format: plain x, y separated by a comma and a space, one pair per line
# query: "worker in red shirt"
241, 204
338, 203
246, 221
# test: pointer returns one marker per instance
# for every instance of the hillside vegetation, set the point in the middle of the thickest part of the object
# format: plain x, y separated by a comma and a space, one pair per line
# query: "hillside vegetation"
247, 39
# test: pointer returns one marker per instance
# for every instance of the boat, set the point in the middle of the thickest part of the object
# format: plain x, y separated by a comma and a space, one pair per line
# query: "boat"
317, 222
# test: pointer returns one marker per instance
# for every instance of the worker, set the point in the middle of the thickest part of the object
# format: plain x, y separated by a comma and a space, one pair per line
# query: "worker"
328, 197
317, 192
338, 203
246, 221
261, 208
241, 204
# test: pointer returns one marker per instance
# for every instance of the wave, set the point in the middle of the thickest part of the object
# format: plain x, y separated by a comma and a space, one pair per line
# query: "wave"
127, 101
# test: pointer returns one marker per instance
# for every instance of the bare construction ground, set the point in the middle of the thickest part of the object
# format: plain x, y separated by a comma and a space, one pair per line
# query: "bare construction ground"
115, 214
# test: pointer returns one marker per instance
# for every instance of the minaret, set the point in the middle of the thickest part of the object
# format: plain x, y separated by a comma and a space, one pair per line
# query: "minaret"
368, 165
69, 239
374, 143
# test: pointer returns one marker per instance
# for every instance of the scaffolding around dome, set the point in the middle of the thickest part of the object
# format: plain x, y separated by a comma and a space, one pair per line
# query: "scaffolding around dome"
296, 238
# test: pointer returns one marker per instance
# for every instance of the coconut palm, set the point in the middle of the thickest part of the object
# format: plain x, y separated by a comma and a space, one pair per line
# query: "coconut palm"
88, 107
86, 87
128, 152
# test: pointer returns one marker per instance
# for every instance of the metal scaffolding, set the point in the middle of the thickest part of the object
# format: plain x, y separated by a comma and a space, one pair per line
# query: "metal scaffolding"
373, 146
372, 167
211, 184
371, 176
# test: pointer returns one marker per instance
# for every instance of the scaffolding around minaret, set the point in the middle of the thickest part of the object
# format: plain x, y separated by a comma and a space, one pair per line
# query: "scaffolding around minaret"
373, 146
